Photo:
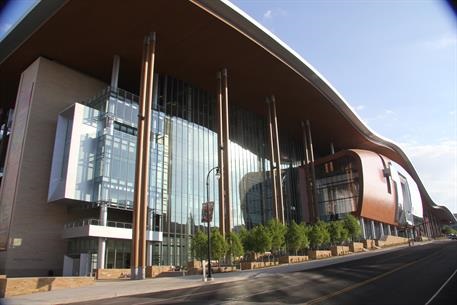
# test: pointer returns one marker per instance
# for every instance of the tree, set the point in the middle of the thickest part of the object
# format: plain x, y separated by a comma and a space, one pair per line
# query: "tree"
234, 245
338, 233
199, 245
295, 237
218, 245
260, 239
305, 241
277, 233
353, 226
246, 240
319, 235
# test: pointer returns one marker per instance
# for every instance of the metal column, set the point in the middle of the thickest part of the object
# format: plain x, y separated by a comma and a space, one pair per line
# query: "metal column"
142, 159
313, 171
279, 192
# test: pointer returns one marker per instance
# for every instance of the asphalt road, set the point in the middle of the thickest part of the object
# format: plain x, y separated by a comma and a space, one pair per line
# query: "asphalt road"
424, 274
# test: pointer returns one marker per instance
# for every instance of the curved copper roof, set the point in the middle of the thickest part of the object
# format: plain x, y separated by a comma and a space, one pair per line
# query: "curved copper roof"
195, 39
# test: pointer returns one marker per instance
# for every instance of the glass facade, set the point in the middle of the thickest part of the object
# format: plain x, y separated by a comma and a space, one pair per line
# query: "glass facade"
183, 150
337, 187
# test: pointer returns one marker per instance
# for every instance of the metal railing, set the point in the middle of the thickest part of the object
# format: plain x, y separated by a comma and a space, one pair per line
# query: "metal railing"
96, 222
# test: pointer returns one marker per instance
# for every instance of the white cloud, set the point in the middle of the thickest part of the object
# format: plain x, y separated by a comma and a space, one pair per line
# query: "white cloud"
444, 41
275, 12
437, 169
359, 107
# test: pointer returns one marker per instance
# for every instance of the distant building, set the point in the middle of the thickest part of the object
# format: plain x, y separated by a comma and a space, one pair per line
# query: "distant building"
289, 147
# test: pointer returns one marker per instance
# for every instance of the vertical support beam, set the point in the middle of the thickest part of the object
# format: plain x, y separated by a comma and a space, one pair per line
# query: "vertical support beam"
373, 230
226, 138
272, 162
103, 218
115, 73
332, 148
309, 190
221, 151
381, 227
395, 231
362, 225
313, 171
389, 230
146, 154
142, 160
279, 191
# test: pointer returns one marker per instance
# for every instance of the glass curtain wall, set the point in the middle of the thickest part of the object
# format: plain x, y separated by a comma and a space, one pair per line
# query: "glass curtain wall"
337, 186
183, 150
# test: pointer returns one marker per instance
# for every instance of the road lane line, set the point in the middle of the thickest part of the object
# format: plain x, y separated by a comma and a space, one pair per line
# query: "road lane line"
331, 295
441, 288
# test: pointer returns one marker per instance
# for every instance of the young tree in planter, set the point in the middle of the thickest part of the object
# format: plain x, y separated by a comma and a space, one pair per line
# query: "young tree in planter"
246, 240
199, 245
353, 226
318, 235
234, 245
218, 245
294, 237
305, 242
261, 240
338, 233
277, 233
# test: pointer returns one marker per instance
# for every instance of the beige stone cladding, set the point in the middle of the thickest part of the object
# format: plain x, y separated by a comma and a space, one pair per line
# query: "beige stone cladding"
35, 243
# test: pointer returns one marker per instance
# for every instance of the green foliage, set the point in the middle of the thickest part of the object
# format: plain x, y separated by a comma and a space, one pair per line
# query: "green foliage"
260, 240
319, 235
218, 245
234, 245
277, 232
353, 227
448, 230
295, 237
306, 229
338, 233
246, 240
199, 245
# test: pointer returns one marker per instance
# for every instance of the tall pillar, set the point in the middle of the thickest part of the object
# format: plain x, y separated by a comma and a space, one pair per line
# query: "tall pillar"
373, 230
279, 192
362, 225
115, 73
142, 160
225, 211
313, 171
381, 226
273, 163
309, 191
389, 231
395, 231
227, 180
103, 218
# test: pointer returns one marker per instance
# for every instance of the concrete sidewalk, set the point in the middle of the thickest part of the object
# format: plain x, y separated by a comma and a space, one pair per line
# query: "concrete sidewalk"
111, 289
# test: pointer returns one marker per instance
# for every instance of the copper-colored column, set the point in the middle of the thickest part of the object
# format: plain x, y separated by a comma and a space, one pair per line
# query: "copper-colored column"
221, 150
309, 191
226, 138
142, 161
272, 162
138, 164
146, 153
279, 192
313, 171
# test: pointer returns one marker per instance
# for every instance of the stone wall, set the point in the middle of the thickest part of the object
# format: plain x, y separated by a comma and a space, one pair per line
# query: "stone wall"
19, 286
356, 247
257, 265
339, 250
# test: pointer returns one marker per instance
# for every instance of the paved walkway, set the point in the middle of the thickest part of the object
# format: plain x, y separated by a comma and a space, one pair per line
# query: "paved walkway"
110, 289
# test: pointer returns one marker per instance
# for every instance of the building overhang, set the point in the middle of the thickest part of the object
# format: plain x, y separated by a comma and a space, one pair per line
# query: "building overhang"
195, 39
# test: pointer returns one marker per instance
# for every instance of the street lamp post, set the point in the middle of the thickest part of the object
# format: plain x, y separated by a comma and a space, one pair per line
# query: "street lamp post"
210, 275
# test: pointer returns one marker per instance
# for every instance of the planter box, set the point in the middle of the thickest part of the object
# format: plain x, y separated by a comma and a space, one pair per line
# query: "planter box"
26, 285
292, 259
339, 250
369, 244
109, 274
256, 265
356, 247
318, 254
153, 271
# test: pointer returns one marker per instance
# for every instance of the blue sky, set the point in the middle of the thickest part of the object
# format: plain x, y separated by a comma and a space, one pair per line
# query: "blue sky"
395, 62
